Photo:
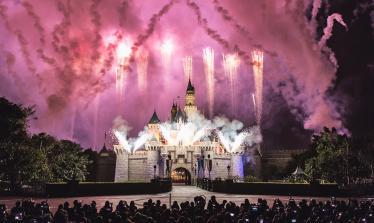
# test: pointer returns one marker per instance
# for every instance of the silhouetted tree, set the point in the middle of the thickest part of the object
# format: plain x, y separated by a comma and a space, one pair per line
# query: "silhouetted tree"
13, 121
16, 161
92, 166
39, 158
334, 160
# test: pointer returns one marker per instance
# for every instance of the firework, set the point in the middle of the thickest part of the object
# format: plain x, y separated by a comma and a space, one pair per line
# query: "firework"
166, 49
254, 101
208, 57
142, 68
231, 64
187, 67
123, 56
131, 145
258, 66
122, 140
72, 124
96, 117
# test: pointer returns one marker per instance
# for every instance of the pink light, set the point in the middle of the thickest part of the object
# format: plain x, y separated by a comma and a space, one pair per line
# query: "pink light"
167, 47
124, 49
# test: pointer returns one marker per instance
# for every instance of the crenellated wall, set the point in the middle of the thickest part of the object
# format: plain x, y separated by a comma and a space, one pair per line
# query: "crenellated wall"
122, 164
140, 165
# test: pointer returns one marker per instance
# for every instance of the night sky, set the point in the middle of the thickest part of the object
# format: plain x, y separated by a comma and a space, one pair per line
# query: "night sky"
61, 57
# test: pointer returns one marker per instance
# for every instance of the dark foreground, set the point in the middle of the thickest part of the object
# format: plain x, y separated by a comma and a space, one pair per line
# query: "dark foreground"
189, 208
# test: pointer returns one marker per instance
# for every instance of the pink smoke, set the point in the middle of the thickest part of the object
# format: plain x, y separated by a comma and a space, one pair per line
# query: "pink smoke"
59, 56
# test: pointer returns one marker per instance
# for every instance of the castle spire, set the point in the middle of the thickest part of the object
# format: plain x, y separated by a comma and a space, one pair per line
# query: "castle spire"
154, 119
190, 87
104, 146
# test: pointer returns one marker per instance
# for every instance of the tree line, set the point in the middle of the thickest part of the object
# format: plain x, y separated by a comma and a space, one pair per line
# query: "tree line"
336, 157
26, 158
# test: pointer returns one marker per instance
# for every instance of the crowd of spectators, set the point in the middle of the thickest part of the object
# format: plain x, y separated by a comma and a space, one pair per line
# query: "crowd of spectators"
200, 210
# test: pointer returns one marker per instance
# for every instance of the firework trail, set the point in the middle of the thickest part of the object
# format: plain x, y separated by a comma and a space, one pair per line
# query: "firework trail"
187, 67
72, 125
208, 57
122, 12
61, 31
48, 60
141, 38
214, 34
316, 6
96, 118
327, 33
166, 50
240, 28
21, 40
254, 101
231, 63
96, 21
109, 53
30, 11
10, 61
142, 68
258, 66
123, 56
227, 17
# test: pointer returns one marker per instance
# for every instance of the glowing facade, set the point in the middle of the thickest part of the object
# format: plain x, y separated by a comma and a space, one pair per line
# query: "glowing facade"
185, 160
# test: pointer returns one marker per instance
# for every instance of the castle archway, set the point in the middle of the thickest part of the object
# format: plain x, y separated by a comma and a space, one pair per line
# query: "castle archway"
181, 175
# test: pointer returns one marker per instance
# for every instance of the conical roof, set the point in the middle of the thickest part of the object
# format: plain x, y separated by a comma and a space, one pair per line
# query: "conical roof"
154, 119
190, 87
298, 171
180, 115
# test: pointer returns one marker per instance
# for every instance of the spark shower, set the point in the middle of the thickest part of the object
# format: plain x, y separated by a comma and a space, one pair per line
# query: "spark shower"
82, 63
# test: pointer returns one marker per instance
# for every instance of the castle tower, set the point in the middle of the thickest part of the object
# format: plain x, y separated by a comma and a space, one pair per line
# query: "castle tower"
122, 164
153, 158
173, 112
153, 126
190, 107
237, 165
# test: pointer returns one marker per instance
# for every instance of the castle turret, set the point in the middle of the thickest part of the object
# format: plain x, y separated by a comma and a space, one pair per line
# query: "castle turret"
153, 126
180, 116
106, 165
153, 157
190, 106
173, 112
122, 164
237, 165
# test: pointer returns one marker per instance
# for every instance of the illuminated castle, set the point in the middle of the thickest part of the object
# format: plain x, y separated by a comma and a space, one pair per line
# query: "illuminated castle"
205, 157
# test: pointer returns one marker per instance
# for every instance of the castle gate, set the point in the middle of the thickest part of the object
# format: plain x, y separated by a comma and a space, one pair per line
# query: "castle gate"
181, 175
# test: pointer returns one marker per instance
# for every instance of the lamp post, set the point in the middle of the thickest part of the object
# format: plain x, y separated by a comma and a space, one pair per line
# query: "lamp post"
203, 165
195, 173
154, 171
168, 165
228, 171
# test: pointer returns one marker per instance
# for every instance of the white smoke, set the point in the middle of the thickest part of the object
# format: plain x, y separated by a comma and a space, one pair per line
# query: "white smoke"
233, 140
230, 133
121, 129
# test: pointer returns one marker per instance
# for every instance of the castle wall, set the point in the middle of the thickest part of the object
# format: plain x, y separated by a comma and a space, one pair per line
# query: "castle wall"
219, 167
237, 165
138, 170
152, 160
106, 165
122, 165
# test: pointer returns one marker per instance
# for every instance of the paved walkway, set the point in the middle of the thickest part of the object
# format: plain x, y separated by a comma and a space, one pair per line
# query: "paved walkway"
178, 193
